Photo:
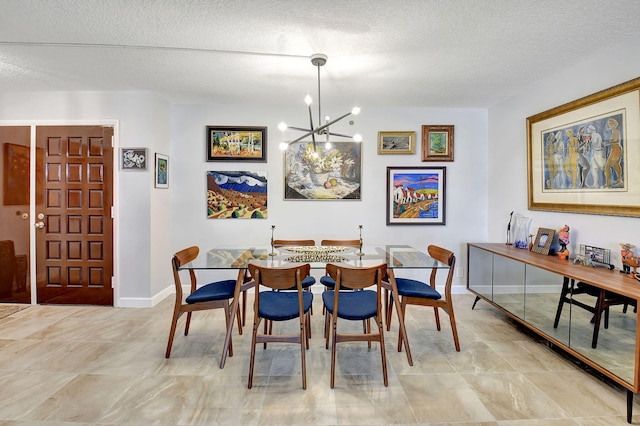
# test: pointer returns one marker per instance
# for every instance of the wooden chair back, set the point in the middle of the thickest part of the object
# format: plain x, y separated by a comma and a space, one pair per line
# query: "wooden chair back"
279, 278
282, 243
180, 259
448, 258
351, 278
346, 243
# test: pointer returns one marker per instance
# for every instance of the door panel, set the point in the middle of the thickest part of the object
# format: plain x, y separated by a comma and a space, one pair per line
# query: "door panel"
74, 237
14, 214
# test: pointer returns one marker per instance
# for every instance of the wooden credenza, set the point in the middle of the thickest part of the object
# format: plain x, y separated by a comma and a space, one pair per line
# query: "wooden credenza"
547, 295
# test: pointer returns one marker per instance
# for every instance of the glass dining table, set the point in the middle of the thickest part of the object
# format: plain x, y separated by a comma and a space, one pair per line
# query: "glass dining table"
239, 257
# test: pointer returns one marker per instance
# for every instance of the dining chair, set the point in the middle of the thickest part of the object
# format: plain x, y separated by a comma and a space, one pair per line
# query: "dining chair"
214, 295
415, 292
326, 279
277, 305
359, 303
308, 281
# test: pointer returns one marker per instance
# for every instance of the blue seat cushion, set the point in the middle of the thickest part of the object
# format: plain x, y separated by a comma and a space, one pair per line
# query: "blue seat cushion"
218, 290
327, 281
352, 305
282, 305
414, 288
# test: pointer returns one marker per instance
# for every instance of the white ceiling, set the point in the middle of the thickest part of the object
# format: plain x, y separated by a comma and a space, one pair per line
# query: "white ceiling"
458, 53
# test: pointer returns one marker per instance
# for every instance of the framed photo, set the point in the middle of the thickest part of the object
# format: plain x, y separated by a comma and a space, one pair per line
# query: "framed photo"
133, 158
416, 195
437, 143
543, 241
584, 156
227, 143
323, 173
396, 142
236, 195
162, 171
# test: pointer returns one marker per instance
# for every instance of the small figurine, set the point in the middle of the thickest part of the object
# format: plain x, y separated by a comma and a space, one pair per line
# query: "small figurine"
626, 254
563, 239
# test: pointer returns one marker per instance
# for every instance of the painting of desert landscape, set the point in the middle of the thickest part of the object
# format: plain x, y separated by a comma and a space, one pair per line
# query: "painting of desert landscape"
236, 195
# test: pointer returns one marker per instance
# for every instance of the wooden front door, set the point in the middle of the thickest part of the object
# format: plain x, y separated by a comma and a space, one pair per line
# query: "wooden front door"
74, 228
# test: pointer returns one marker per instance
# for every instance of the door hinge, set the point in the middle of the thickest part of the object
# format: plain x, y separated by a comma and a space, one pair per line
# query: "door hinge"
113, 282
111, 212
112, 140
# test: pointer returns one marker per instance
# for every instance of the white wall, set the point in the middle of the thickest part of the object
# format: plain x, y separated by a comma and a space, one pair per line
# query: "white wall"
507, 160
466, 204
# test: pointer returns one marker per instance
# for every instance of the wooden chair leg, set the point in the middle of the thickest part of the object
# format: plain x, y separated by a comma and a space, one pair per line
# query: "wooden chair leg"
403, 308
435, 310
172, 332
227, 318
333, 351
389, 311
253, 353
186, 325
303, 338
454, 329
382, 350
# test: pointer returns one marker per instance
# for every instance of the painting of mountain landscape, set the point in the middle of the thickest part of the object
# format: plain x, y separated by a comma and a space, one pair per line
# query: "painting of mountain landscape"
236, 195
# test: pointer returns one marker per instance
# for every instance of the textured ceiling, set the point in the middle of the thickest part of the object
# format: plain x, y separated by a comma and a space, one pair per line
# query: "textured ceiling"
459, 53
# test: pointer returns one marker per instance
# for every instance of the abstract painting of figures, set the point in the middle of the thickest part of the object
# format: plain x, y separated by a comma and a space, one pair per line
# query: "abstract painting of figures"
236, 195
416, 195
586, 156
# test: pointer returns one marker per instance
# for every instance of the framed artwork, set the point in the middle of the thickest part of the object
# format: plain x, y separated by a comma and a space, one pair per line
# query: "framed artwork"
437, 143
236, 195
323, 172
584, 156
416, 195
396, 142
543, 241
133, 158
162, 171
227, 143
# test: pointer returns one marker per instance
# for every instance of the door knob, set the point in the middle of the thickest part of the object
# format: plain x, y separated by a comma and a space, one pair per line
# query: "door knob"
39, 225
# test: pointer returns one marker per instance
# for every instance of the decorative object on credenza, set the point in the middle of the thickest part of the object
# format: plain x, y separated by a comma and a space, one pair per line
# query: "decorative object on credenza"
594, 256
509, 229
236, 195
583, 156
360, 253
437, 143
396, 142
133, 158
322, 128
236, 143
416, 195
162, 171
634, 263
626, 254
522, 225
543, 241
563, 240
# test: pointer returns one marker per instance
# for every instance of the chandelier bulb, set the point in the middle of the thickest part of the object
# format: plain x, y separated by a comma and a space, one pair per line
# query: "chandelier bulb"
327, 145
308, 100
355, 110
282, 126
283, 146
357, 137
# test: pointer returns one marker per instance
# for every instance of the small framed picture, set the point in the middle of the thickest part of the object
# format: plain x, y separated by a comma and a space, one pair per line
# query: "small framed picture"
236, 143
437, 143
162, 171
396, 142
416, 195
133, 158
543, 241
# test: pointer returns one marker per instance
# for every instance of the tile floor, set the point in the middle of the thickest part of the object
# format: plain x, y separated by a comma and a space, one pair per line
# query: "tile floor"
84, 365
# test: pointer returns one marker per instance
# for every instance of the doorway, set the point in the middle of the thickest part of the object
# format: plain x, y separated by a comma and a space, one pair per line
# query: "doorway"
69, 208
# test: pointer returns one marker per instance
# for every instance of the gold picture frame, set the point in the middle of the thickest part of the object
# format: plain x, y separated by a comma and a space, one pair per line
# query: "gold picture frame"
437, 143
543, 241
396, 142
584, 156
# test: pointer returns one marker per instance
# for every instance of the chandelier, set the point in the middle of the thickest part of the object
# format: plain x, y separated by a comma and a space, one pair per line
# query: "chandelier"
318, 60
